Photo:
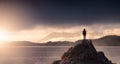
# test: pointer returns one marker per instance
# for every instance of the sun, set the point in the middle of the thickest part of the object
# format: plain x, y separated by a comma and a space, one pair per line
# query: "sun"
3, 36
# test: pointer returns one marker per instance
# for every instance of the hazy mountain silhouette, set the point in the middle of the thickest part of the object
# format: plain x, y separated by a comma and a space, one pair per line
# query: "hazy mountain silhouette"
110, 40
60, 35
21, 43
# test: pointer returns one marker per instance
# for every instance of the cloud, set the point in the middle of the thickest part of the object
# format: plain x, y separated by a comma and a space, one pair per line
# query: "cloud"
75, 33
43, 34
22, 15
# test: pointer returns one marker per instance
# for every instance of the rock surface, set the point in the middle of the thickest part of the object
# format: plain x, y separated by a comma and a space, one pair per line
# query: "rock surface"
83, 53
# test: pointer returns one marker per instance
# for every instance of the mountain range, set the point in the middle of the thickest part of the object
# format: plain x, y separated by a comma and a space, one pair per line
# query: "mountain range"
110, 40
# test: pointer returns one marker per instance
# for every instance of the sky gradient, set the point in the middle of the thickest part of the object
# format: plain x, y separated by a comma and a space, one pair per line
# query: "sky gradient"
44, 20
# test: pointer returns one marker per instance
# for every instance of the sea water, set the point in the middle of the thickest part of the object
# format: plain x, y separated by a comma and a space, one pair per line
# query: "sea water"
47, 54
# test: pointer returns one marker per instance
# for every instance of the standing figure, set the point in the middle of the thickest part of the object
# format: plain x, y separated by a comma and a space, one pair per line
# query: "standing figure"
84, 34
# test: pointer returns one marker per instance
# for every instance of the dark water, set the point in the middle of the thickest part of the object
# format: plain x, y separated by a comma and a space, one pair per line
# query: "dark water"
47, 54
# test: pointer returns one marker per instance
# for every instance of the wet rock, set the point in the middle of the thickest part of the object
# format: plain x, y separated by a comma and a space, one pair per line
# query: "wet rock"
83, 53
56, 62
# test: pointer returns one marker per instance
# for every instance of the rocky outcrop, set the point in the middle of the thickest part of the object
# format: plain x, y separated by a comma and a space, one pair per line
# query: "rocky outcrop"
83, 53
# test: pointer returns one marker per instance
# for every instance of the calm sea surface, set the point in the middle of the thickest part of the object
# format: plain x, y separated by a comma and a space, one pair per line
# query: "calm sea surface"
47, 54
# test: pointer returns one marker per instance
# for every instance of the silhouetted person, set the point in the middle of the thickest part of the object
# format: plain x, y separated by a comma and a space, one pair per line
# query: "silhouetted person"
84, 34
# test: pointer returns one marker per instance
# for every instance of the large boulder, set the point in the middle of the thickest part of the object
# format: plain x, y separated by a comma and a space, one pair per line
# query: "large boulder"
83, 53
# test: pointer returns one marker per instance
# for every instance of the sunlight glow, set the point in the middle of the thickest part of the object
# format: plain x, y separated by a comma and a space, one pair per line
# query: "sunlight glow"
3, 36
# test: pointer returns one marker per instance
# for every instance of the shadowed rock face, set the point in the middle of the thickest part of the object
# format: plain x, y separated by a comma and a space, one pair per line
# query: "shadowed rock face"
83, 53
